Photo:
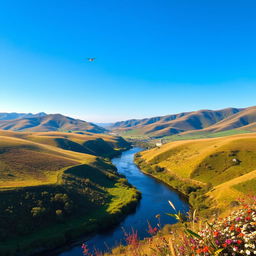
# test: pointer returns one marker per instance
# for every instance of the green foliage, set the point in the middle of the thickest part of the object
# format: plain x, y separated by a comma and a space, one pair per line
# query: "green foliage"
158, 169
38, 211
195, 193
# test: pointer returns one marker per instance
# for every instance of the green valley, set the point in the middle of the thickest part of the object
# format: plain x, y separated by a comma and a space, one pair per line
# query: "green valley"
57, 186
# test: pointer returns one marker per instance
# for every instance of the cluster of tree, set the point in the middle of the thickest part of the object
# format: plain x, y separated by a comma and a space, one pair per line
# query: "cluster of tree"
25, 210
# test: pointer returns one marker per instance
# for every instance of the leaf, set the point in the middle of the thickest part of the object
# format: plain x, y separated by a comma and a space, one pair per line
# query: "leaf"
173, 215
192, 233
218, 252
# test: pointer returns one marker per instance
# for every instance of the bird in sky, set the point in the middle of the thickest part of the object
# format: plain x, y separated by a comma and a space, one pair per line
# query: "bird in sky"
91, 59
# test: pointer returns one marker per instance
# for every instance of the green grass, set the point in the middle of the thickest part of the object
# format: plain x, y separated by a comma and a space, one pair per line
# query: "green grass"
246, 187
219, 167
202, 135
122, 196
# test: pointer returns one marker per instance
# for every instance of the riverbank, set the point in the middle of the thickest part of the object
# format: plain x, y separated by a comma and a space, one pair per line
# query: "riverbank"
124, 200
192, 191
155, 196
232, 234
213, 173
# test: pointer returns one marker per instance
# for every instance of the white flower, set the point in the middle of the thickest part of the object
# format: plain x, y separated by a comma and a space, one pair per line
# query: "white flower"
248, 252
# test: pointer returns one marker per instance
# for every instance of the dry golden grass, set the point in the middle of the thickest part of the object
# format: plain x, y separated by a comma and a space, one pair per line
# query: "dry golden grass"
29, 159
226, 192
210, 161
184, 158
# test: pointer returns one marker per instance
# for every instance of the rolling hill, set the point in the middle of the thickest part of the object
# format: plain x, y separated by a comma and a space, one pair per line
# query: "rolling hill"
56, 186
202, 121
23, 154
44, 123
217, 164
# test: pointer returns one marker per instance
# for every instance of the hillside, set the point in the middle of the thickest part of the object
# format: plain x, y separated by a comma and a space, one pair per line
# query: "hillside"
194, 123
210, 165
52, 122
231, 234
53, 191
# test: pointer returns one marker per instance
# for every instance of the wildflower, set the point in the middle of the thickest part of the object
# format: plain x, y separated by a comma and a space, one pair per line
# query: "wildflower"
85, 250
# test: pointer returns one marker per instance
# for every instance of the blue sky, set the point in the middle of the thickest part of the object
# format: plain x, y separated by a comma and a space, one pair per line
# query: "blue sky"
152, 57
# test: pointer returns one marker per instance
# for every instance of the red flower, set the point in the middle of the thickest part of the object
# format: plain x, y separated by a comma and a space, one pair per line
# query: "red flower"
205, 249
239, 241
216, 233
232, 227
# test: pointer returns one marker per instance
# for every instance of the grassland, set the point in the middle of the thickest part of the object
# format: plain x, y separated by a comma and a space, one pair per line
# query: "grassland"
202, 135
56, 186
205, 169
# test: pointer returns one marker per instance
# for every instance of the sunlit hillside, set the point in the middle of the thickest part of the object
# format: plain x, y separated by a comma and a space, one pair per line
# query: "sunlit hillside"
57, 186
39, 158
42, 122
220, 164
189, 125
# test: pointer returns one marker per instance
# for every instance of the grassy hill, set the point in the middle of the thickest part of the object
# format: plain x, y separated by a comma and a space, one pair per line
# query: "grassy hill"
196, 124
52, 191
205, 167
52, 122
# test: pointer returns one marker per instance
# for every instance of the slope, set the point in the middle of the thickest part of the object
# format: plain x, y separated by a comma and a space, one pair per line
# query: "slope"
202, 123
194, 165
174, 124
52, 122
50, 195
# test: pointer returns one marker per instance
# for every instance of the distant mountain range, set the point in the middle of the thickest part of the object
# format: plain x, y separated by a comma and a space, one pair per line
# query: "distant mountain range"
202, 121
14, 115
42, 122
196, 121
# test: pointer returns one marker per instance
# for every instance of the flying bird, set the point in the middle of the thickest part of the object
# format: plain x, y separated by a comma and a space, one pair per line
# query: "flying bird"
91, 59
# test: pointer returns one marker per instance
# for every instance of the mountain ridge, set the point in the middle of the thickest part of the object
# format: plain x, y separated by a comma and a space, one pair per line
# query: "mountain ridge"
202, 120
48, 122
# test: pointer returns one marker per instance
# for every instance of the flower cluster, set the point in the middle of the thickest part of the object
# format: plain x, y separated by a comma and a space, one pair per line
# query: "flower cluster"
234, 235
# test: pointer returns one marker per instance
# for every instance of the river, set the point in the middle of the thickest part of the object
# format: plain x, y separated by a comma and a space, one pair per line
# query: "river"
155, 196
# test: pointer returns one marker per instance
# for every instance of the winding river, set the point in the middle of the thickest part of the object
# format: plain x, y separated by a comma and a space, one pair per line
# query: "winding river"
155, 196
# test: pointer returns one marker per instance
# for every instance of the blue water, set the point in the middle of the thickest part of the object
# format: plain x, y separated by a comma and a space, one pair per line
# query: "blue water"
155, 196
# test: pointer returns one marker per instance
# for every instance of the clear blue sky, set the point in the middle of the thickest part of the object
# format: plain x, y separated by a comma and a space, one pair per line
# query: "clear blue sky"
153, 57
